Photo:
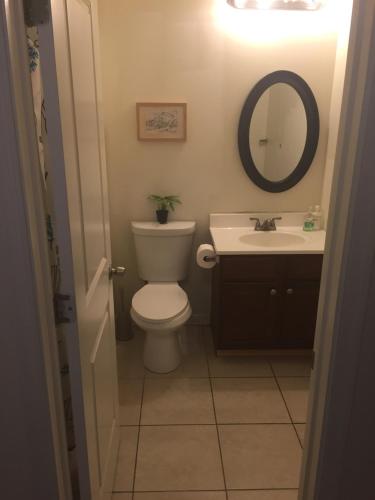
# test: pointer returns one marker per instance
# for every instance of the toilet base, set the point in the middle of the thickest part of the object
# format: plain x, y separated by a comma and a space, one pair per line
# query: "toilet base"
161, 351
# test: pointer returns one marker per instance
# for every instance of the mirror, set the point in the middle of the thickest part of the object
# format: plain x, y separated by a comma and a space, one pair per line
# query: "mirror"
278, 131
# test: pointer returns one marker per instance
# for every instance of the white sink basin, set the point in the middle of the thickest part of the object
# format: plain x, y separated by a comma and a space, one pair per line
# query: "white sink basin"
234, 234
272, 239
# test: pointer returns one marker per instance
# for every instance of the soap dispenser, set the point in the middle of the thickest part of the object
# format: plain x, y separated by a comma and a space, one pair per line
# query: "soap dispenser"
317, 218
308, 221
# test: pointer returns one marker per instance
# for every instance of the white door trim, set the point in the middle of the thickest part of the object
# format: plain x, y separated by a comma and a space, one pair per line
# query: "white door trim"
58, 52
344, 321
23, 219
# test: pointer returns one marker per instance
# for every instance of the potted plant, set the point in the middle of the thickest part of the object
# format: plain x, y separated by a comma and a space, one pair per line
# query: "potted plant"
163, 205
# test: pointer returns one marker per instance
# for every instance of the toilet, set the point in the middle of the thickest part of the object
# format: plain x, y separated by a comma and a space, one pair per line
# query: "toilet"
161, 307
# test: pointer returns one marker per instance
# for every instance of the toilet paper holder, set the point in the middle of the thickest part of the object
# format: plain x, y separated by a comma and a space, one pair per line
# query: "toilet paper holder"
206, 257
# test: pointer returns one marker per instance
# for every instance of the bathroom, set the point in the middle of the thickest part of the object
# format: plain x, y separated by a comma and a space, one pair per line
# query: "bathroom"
217, 419
208, 55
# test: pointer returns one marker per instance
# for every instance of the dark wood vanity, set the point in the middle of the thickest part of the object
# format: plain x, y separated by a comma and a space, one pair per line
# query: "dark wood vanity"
265, 301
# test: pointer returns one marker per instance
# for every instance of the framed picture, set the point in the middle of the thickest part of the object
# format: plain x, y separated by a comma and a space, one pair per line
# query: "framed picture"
161, 121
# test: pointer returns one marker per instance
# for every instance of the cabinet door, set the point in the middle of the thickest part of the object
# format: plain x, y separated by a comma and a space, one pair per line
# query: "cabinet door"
299, 308
248, 315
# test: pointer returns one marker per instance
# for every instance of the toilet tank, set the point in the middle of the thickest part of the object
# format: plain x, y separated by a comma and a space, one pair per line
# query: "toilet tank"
163, 250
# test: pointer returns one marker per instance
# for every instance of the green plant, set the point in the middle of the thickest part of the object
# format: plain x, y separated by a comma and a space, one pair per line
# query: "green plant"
165, 202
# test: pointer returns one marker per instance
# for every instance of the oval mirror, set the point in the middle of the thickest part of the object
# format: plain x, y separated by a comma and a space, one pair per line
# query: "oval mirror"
279, 131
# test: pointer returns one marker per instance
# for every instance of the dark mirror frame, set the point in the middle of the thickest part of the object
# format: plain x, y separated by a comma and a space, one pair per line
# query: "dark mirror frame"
312, 136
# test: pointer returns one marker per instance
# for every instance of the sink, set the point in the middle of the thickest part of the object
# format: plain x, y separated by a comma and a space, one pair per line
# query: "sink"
272, 238
234, 234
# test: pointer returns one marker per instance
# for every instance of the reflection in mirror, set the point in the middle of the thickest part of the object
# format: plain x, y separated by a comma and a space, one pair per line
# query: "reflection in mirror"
278, 131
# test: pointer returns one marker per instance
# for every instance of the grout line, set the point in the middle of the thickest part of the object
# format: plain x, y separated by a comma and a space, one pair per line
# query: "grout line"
287, 408
138, 437
212, 376
207, 491
263, 489
299, 439
210, 490
214, 408
210, 424
170, 377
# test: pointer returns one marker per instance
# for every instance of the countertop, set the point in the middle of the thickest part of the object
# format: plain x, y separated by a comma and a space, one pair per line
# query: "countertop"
229, 233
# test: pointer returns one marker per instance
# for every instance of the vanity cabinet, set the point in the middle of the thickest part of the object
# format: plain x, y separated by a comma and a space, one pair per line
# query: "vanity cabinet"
265, 301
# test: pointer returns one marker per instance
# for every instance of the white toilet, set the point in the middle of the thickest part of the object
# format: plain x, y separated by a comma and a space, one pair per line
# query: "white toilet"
161, 306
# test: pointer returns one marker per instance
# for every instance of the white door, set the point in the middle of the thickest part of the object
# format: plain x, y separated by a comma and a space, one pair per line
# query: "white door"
70, 67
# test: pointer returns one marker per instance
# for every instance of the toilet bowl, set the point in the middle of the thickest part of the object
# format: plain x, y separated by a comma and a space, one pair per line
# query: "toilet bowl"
161, 309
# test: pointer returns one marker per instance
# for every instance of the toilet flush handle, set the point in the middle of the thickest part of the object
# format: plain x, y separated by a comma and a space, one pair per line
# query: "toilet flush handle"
116, 271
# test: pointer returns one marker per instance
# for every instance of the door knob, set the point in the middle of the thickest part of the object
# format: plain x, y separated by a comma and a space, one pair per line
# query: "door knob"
290, 291
273, 291
116, 271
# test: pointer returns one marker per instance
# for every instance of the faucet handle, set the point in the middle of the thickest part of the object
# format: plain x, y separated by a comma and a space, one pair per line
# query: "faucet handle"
271, 223
275, 218
257, 223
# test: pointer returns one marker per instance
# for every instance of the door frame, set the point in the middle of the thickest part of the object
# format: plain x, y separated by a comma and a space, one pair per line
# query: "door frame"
337, 456
341, 362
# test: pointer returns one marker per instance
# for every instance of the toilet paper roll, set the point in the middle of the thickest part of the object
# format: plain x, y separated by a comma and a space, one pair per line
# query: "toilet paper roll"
206, 256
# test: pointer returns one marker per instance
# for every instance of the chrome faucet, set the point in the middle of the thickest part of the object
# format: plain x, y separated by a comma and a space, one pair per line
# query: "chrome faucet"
266, 225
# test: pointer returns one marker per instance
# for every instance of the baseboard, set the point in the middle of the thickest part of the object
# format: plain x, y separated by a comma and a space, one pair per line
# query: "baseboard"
199, 319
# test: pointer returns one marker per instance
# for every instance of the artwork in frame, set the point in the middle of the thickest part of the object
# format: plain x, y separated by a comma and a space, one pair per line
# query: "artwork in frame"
160, 121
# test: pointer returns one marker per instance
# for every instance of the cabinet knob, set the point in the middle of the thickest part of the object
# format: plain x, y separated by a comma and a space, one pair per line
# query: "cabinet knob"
273, 291
290, 291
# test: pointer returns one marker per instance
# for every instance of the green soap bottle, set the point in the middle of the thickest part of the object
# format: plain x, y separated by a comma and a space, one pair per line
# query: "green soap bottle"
308, 221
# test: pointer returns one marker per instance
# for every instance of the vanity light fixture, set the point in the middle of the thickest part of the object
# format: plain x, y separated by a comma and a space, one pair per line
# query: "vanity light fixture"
276, 4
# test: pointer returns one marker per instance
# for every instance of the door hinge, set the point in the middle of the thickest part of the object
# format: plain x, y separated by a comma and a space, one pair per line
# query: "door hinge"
64, 308
36, 12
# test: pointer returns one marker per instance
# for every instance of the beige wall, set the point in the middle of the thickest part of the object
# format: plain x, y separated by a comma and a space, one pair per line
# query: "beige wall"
209, 55
337, 94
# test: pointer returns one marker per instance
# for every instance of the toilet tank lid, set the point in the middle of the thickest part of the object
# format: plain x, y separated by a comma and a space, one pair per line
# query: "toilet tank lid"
173, 228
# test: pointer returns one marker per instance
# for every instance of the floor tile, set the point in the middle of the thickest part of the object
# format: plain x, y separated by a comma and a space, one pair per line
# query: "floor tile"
301, 428
177, 401
296, 393
291, 366
126, 459
130, 398
263, 495
130, 358
184, 495
248, 400
193, 359
238, 366
179, 458
260, 456
234, 366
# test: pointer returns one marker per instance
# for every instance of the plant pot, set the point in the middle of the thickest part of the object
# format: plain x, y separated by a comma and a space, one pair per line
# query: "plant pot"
162, 216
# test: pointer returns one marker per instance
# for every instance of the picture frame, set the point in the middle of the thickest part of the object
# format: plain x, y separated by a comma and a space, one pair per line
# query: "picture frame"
161, 121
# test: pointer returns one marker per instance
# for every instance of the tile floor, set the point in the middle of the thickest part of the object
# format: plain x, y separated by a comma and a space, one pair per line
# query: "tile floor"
218, 428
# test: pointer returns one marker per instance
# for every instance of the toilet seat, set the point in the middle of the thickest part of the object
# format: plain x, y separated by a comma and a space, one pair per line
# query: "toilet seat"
160, 302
